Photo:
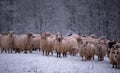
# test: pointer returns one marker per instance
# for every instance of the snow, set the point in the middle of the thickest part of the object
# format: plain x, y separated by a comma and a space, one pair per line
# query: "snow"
37, 63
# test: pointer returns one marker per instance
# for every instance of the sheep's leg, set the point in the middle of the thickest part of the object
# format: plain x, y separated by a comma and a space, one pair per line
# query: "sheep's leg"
52, 53
46, 53
82, 58
25, 51
65, 54
8, 50
59, 54
2, 50
93, 57
118, 65
43, 52
39, 49
11, 50
5, 50
30, 50
112, 65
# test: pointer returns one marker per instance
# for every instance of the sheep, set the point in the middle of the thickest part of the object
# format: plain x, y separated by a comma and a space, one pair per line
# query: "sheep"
116, 58
101, 51
73, 45
36, 41
23, 43
62, 45
87, 50
7, 42
47, 43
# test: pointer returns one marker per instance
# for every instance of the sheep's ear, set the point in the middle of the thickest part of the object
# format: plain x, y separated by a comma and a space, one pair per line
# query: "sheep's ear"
70, 34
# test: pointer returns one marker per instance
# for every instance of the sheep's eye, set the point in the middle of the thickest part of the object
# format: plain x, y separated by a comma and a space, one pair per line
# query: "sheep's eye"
113, 52
117, 53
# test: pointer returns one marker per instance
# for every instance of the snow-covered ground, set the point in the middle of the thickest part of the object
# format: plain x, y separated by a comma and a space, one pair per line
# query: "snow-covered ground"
37, 63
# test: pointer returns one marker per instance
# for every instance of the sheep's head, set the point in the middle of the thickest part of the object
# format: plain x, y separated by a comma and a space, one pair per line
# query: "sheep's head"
59, 37
116, 54
44, 35
29, 35
47, 34
79, 40
99, 52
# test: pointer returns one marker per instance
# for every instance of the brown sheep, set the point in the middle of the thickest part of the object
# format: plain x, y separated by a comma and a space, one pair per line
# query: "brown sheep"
47, 43
23, 43
7, 42
87, 50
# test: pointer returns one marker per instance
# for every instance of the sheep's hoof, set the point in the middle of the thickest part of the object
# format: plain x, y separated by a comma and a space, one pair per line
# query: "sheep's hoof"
25, 52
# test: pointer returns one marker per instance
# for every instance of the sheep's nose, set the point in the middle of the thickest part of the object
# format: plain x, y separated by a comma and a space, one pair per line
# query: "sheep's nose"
59, 39
115, 55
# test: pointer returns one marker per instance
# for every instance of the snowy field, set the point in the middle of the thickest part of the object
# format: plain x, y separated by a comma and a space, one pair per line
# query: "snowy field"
37, 63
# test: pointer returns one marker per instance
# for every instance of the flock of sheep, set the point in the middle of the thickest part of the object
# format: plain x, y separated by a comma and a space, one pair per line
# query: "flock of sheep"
86, 46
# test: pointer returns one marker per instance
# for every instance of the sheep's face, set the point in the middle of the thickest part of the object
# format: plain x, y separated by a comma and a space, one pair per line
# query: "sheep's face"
29, 35
59, 37
99, 51
116, 54
43, 37
47, 34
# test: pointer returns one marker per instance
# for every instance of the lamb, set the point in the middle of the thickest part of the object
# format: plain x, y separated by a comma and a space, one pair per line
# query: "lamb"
7, 42
47, 43
23, 43
116, 58
87, 50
